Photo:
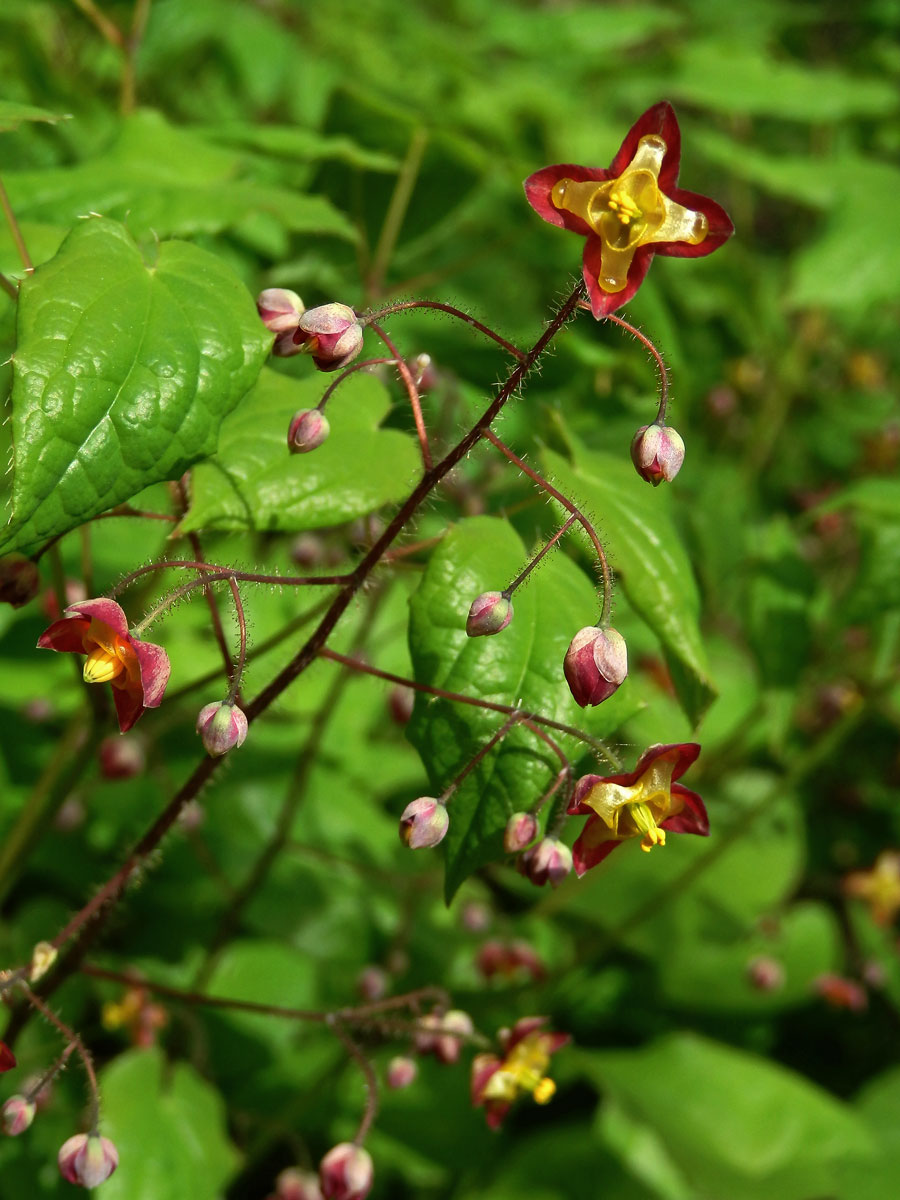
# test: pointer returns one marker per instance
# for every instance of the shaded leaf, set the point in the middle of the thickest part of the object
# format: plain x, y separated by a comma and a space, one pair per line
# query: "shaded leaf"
255, 483
13, 115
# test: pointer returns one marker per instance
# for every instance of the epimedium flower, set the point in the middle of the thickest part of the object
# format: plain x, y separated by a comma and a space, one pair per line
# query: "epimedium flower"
138, 671
879, 887
630, 210
497, 1082
644, 803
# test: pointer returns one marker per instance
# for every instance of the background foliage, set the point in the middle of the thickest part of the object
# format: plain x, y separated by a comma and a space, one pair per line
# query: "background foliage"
762, 591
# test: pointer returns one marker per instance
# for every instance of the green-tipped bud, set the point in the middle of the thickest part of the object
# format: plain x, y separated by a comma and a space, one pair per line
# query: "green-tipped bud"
221, 726
490, 613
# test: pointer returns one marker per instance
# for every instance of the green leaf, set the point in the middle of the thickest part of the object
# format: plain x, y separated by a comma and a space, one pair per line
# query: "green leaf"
123, 373
736, 1125
291, 142
13, 115
520, 666
878, 1104
255, 483
165, 181
168, 1126
646, 553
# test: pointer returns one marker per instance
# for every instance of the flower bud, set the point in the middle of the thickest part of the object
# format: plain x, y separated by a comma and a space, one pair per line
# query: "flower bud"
657, 452
280, 309
43, 956
521, 830
595, 664
221, 726
401, 1072
296, 1184
7, 1058
424, 823
307, 431
550, 860
345, 1173
372, 983
87, 1159
330, 334
18, 1113
401, 701
490, 613
442, 1034
765, 974
122, 756
20, 580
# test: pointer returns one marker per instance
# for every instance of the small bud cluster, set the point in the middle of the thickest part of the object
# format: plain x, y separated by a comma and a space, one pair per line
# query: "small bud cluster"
331, 334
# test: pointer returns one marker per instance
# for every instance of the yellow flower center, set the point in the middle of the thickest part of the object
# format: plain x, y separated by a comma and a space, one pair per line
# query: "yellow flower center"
523, 1071
639, 809
645, 824
102, 665
630, 212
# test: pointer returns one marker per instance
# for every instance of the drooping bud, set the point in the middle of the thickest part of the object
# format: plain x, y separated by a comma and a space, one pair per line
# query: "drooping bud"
307, 431
280, 309
296, 1184
18, 1113
346, 1173
443, 1034
372, 983
657, 452
401, 701
401, 1072
122, 756
521, 830
221, 726
424, 823
330, 334
87, 1159
43, 956
595, 665
549, 861
765, 973
20, 580
490, 613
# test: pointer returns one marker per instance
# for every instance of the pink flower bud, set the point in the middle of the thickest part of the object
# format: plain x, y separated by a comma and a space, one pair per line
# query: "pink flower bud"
87, 1159
346, 1172
20, 580
296, 1184
475, 916
521, 830
18, 1113
401, 1072
401, 701
657, 452
331, 334
443, 1034
765, 974
280, 309
490, 613
372, 983
221, 726
307, 431
550, 860
122, 756
595, 664
424, 823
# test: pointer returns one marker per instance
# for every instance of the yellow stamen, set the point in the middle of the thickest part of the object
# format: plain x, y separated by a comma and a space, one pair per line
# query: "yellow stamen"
545, 1090
630, 212
101, 666
646, 824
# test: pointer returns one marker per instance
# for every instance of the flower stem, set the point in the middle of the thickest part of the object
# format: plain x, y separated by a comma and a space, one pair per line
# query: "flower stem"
404, 305
473, 762
371, 1109
75, 1041
390, 230
412, 391
661, 367
520, 578
14, 229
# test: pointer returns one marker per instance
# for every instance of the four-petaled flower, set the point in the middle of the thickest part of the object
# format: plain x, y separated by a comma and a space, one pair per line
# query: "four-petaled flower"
631, 210
138, 671
879, 888
644, 803
497, 1082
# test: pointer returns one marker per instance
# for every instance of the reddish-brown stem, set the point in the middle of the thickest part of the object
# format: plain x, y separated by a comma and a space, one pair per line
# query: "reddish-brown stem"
238, 670
567, 504
125, 510
14, 229
371, 1109
538, 732
50, 1074
217, 573
412, 548
357, 366
130, 48
661, 367
537, 558
459, 698
476, 758
9, 287
412, 391
74, 1040
403, 305
102, 23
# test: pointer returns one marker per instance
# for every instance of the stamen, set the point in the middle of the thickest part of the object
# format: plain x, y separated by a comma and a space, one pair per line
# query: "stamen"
545, 1090
101, 666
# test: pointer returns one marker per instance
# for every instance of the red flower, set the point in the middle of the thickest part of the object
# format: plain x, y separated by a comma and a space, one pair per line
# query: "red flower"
138, 671
630, 211
644, 803
7, 1058
497, 1082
